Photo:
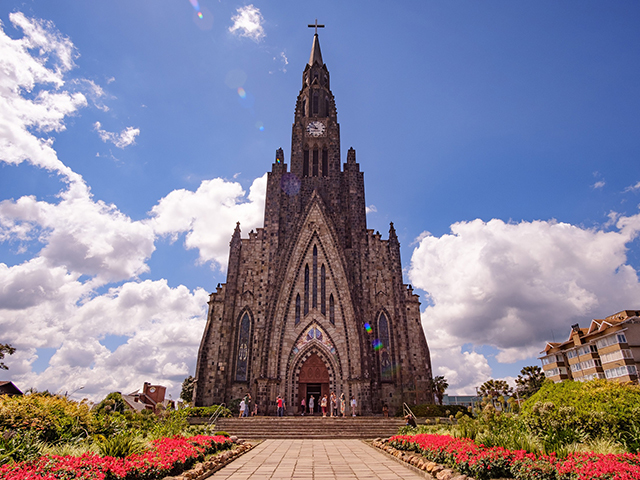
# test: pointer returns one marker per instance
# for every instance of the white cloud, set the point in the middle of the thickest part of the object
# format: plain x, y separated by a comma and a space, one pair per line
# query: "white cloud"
632, 188
191, 212
509, 285
248, 23
598, 184
371, 209
35, 64
163, 326
54, 300
121, 140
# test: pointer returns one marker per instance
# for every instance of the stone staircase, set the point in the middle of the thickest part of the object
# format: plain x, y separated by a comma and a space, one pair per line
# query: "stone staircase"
310, 427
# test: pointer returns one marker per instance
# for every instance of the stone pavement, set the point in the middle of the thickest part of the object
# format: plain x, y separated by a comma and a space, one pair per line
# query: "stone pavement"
315, 459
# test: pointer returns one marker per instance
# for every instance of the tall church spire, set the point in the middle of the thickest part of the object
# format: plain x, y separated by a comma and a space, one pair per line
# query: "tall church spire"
315, 56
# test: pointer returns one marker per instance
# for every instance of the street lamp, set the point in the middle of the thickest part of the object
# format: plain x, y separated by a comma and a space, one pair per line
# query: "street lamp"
76, 390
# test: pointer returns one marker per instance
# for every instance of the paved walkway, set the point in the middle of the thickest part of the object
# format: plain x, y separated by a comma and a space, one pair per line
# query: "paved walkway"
315, 459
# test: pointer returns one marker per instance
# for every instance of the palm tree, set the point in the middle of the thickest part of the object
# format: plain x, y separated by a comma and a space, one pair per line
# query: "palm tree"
440, 384
495, 390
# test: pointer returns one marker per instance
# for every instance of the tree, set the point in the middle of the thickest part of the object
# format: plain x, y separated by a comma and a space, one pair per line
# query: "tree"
187, 389
5, 349
439, 386
112, 403
529, 381
495, 388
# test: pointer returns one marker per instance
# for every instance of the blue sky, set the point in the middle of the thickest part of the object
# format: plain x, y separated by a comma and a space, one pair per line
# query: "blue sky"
501, 138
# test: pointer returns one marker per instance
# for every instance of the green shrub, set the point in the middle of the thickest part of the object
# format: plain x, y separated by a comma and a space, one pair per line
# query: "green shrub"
50, 417
111, 403
575, 411
431, 410
19, 446
74, 448
204, 412
224, 434
119, 446
172, 424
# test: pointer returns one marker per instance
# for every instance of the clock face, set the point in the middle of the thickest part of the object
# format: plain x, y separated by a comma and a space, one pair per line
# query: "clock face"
315, 128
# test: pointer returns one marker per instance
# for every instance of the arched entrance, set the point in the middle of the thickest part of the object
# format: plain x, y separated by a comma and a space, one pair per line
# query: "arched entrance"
313, 380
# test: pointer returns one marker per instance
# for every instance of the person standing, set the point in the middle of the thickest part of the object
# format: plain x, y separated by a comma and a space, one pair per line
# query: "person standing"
303, 406
323, 405
243, 406
255, 409
354, 404
280, 403
247, 405
333, 404
343, 405
312, 404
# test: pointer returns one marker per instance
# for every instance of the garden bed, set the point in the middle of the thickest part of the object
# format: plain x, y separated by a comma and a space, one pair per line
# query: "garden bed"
447, 457
167, 456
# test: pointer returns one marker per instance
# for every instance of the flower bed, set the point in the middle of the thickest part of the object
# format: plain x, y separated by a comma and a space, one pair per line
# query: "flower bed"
483, 462
168, 456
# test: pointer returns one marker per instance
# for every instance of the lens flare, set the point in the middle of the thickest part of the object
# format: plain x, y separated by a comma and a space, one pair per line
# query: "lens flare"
196, 7
260, 126
242, 92
367, 327
377, 345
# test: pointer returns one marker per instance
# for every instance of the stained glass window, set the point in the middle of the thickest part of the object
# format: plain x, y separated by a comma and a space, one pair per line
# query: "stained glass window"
323, 290
332, 310
306, 289
385, 352
242, 363
314, 302
297, 309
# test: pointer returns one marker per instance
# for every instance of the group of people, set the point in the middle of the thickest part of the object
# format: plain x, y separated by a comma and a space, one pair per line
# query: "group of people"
248, 407
331, 403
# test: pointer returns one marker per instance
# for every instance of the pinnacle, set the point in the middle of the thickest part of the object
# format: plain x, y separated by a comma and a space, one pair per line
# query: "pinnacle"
316, 55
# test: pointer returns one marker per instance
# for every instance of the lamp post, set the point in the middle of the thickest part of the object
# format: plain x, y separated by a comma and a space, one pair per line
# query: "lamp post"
71, 394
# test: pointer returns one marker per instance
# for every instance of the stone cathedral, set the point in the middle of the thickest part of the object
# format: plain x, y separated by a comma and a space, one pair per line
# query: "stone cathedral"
314, 301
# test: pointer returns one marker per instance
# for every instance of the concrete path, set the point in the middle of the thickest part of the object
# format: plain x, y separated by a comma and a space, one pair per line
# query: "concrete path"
317, 460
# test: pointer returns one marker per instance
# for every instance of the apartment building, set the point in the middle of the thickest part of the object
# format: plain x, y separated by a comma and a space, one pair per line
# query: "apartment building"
609, 349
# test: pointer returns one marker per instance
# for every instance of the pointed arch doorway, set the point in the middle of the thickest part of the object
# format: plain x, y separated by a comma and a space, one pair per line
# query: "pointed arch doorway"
313, 380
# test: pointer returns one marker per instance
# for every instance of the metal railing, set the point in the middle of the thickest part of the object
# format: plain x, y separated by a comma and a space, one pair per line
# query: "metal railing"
214, 417
407, 411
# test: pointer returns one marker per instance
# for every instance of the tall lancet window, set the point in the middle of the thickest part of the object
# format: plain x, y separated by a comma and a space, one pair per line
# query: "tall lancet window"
314, 301
325, 163
306, 289
242, 362
385, 351
323, 290
315, 162
332, 310
304, 107
297, 309
314, 104
305, 164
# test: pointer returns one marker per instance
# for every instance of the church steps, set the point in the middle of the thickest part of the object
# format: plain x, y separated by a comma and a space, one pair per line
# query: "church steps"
310, 427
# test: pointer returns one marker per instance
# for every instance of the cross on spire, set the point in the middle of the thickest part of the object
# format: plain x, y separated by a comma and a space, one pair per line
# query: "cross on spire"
316, 26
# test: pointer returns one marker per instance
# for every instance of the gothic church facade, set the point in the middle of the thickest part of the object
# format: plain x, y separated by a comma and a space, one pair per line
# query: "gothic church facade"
314, 301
